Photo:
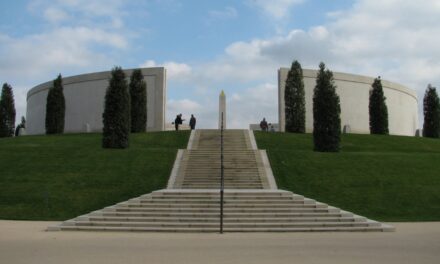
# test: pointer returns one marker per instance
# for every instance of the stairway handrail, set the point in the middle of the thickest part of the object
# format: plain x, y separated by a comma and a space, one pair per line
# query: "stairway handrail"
222, 181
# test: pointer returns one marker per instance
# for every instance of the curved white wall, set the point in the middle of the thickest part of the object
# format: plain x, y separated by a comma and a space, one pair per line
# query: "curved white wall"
84, 96
353, 91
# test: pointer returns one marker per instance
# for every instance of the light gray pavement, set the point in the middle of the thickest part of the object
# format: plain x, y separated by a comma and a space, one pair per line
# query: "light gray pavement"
27, 242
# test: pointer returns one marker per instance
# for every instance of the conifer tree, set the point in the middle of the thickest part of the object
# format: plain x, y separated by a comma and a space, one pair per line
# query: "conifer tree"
138, 100
116, 116
55, 108
7, 112
326, 113
378, 109
294, 100
431, 111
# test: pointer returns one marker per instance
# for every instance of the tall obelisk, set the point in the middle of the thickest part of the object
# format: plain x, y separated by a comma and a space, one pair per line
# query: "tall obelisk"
222, 109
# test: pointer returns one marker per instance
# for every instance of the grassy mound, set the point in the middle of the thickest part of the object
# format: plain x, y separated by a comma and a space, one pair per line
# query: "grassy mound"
388, 178
60, 177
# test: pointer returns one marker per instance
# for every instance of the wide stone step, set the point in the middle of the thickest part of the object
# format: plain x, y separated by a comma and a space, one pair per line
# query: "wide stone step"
226, 182
216, 197
228, 176
217, 214
229, 224
227, 200
216, 187
215, 204
227, 210
229, 185
232, 193
216, 219
216, 229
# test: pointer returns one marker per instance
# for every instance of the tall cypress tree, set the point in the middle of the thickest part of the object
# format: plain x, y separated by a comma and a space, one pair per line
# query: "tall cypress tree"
431, 111
326, 113
138, 100
378, 109
55, 108
116, 116
7, 112
294, 100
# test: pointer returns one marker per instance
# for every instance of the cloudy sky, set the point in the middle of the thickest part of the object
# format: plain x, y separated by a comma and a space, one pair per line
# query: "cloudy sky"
207, 46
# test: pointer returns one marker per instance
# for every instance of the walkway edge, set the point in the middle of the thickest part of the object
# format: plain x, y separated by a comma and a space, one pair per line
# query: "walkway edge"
191, 139
252, 139
176, 166
268, 170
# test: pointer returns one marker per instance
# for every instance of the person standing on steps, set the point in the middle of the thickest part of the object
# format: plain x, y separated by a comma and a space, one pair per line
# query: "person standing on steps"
192, 122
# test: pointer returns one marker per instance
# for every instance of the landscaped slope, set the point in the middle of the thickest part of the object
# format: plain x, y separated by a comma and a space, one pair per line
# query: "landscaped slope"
60, 177
387, 178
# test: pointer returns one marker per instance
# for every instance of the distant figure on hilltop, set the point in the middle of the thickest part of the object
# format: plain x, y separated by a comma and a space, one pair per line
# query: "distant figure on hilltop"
192, 122
272, 128
263, 124
178, 121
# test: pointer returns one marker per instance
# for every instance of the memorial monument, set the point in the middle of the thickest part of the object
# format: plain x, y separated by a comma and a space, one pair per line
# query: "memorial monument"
354, 91
84, 96
222, 109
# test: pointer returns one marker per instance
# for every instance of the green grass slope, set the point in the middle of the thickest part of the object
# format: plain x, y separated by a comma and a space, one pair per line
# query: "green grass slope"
388, 178
60, 177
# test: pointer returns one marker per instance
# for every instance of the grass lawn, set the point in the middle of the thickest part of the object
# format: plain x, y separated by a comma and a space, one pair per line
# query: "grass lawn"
387, 178
63, 176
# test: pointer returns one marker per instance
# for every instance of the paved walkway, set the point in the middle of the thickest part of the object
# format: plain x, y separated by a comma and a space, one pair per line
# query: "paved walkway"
26, 242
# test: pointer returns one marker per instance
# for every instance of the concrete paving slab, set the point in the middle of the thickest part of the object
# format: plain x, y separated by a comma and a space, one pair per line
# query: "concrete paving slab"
27, 242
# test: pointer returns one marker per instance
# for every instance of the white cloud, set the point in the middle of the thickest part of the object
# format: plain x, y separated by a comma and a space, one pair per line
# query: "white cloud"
62, 48
186, 107
276, 9
183, 106
175, 70
80, 11
396, 40
226, 13
253, 105
55, 15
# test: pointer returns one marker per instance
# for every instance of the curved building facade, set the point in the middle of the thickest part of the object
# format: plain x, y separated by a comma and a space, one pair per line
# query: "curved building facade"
84, 95
353, 91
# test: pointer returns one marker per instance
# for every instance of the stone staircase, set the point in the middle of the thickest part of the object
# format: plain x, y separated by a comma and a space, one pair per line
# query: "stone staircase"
200, 166
192, 201
244, 211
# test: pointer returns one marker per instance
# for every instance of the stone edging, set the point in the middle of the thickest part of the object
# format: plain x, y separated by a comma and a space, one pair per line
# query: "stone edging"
176, 166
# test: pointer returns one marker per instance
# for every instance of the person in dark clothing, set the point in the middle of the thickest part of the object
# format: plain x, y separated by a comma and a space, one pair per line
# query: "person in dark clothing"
178, 121
192, 122
263, 124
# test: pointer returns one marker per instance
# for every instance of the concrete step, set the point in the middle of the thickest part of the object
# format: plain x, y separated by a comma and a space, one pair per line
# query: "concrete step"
232, 193
216, 229
229, 224
226, 201
216, 187
296, 215
216, 197
226, 210
216, 205
225, 220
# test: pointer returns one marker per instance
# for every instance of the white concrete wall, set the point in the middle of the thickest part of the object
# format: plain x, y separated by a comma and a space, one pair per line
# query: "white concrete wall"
353, 91
84, 96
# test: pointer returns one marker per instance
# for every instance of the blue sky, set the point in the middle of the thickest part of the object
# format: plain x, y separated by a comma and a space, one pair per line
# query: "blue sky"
208, 46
